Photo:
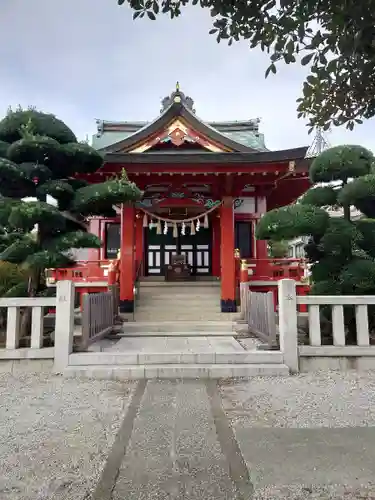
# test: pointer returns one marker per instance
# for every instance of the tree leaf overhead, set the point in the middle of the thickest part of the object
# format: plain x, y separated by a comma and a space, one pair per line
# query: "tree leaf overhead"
333, 39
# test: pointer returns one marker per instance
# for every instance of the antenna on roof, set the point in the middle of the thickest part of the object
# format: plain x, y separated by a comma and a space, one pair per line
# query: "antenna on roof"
319, 144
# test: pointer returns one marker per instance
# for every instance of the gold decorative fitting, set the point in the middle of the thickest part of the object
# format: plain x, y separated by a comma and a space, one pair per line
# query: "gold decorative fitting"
177, 86
177, 98
292, 166
237, 253
243, 265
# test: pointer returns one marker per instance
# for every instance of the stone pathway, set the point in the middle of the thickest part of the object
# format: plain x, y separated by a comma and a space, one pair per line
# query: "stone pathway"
201, 344
177, 442
306, 437
178, 446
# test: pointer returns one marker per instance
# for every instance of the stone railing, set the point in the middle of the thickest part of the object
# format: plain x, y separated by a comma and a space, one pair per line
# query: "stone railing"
64, 324
13, 323
315, 355
102, 319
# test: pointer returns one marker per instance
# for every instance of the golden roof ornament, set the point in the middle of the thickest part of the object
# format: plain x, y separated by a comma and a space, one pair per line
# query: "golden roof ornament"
177, 97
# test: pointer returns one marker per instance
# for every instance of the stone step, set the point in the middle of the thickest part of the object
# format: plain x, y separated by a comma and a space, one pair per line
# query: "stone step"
179, 371
177, 326
180, 334
175, 358
160, 296
171, 316
179, 284
176, 309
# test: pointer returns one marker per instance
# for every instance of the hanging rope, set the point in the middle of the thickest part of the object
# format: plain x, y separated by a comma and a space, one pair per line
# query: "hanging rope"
152, 216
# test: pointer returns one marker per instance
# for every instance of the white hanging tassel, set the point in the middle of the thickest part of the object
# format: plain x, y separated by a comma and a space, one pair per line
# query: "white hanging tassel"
158, 227
183, 229
150, 224
145, 220
165, 230
205, 222
198, 226
192, 227
175, 230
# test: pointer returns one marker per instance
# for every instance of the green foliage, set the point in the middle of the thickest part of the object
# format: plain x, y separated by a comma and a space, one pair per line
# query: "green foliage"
341, 163
76, 239
361, 194
321, 196
61, 190
81, 158
341, 250
19, 250
91, 199
339, 238
333, 39
34, 149
25, 215
366, 228
358, 277
22, 122
292, 221
11, 276
327, 268
3, 149
40, 156
278, 249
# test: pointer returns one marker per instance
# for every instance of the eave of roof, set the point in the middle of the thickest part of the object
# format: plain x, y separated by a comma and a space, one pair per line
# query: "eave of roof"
251, 124
209, 157
175, 110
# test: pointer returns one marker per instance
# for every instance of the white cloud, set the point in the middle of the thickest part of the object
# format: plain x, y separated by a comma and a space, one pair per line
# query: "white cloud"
88, 59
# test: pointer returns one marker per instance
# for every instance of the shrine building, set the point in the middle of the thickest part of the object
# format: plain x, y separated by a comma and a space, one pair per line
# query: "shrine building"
206, 184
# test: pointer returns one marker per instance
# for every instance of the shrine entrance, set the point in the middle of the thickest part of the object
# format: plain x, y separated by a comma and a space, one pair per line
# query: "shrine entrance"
159, 249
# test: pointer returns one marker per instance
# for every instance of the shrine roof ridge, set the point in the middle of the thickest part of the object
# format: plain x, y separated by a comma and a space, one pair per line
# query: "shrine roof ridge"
174, 110
103, 125
210, 157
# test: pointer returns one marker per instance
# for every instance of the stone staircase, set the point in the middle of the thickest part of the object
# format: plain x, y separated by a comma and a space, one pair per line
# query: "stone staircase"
178, 332
185, 306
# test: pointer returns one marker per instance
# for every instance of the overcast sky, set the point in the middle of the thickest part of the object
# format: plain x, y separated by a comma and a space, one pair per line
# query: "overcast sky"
87, 59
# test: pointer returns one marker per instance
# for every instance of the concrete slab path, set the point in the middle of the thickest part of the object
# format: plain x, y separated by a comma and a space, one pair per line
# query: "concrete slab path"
306, 437
177, 442
179, 344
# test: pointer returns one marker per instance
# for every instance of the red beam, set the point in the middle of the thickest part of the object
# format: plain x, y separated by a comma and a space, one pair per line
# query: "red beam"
196, 168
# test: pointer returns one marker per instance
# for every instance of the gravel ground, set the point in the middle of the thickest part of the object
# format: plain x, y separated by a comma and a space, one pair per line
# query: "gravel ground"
312, 400
55, 434
321, 399
332, 492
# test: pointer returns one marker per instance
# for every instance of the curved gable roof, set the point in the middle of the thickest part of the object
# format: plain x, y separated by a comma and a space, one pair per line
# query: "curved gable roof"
177, 108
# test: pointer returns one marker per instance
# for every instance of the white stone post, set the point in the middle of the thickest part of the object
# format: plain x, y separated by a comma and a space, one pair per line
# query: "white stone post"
64, 327
244, 292
288, 323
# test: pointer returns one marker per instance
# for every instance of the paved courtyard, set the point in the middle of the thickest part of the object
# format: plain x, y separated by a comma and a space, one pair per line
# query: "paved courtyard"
304, 437
178, 344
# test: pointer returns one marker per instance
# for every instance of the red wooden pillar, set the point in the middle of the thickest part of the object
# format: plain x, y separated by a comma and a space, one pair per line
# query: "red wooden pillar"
261, 249
215, 222
138, 240
228, 266
127, 259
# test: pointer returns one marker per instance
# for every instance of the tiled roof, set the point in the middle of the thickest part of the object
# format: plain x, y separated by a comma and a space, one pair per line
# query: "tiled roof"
245, 133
